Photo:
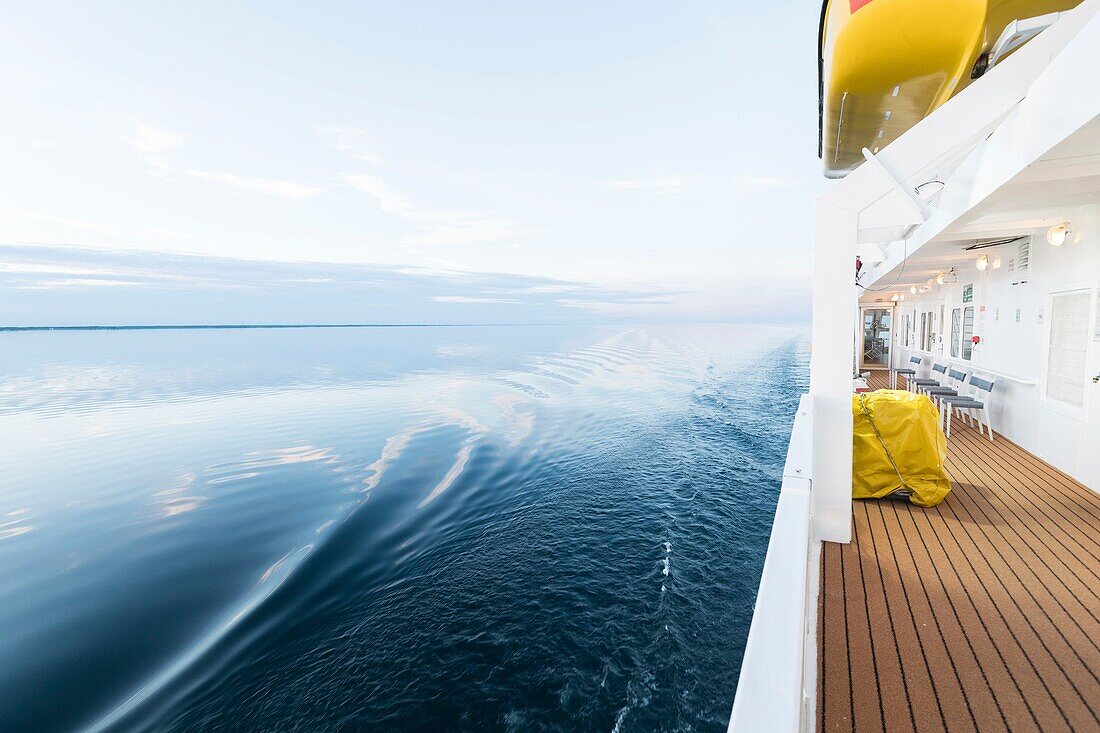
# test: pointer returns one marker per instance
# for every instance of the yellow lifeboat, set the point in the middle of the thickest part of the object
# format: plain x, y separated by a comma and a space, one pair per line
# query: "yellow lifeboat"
886, 64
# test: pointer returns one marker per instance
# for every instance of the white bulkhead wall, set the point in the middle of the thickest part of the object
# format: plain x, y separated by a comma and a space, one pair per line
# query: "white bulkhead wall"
1069, 439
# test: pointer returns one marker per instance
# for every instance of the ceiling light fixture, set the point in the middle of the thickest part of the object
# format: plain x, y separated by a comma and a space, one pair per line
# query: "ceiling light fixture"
1056, 235
913, 289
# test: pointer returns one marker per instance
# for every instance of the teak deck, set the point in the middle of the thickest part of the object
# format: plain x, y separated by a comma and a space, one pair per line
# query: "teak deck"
979, 614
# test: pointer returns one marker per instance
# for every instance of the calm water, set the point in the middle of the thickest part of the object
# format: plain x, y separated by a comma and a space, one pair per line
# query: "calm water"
537, 528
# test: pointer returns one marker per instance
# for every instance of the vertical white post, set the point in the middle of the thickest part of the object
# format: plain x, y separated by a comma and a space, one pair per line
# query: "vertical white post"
832, 340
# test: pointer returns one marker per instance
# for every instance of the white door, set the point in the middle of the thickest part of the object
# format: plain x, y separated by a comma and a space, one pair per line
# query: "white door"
1067, 386
1091, 457
875, 346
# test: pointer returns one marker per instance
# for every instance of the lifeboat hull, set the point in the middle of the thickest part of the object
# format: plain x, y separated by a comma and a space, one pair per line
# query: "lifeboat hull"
887, 64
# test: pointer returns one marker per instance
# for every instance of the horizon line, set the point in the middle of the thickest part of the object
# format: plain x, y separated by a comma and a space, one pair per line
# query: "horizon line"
244, 326
231, 326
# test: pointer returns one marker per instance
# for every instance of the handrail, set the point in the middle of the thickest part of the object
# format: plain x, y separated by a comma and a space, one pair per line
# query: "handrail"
969, 365
1002, 375
771, 692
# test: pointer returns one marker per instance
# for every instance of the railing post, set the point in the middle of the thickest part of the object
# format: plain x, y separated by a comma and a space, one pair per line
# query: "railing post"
832, 339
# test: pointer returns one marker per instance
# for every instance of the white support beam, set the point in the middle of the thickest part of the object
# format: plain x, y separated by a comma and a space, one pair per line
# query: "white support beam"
832, 338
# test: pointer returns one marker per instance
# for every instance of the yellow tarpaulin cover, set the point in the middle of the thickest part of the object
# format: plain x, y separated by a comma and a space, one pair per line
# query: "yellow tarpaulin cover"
908, 431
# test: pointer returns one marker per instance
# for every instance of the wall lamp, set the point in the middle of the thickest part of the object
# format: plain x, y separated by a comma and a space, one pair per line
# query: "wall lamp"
1056, 235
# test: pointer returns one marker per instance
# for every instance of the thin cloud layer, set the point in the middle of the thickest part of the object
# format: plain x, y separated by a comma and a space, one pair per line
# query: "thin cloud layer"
276, 187
146, 139
51, 286
353, 141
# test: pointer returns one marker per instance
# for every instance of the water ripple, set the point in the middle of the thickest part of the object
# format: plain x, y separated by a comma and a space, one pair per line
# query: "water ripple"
387, 531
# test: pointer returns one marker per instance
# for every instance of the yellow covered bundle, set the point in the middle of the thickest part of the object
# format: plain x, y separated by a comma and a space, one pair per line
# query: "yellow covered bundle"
898, 448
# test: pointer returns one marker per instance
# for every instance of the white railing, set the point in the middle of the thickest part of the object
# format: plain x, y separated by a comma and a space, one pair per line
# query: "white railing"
966, 365
772, 690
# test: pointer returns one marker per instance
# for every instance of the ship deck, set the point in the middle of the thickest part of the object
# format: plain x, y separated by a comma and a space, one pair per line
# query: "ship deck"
978, 614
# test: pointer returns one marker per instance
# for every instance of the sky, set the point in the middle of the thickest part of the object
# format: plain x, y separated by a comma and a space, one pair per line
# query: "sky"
464, 162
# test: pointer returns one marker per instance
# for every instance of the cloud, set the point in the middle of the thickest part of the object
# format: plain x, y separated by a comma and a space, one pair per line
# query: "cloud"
679, 186
668, 186
471, 299
761, 183
152, 141
456, 228
273, 186
433, 227
389, 200
351, 140
437, 228
78, 282
49, 285
557, 288
146, 139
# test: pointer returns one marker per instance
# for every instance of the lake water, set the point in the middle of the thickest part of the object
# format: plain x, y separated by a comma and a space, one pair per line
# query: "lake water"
439, 528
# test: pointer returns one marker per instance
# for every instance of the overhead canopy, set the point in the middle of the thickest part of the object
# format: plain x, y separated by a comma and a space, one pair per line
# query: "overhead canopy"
1048, 192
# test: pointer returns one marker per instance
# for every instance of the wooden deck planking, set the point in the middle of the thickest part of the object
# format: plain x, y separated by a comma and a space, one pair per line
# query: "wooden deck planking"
982, 613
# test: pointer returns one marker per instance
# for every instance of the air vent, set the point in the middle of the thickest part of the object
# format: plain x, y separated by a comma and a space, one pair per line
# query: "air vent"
1020, 265
986, 243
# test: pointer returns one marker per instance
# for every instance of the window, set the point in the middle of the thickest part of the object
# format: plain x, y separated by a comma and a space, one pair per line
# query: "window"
927, 337
956, 327
967, 332
939, 328
905, 332
1067, 349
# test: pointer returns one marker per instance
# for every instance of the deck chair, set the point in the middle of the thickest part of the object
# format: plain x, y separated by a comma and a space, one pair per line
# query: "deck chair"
956, 378
909, 373
974, 406
923, 385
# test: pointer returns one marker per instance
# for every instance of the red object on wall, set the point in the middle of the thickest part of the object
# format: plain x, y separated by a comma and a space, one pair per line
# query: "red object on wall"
975, 339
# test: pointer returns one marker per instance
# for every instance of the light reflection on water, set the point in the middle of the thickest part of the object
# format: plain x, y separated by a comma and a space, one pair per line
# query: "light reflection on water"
503, 528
